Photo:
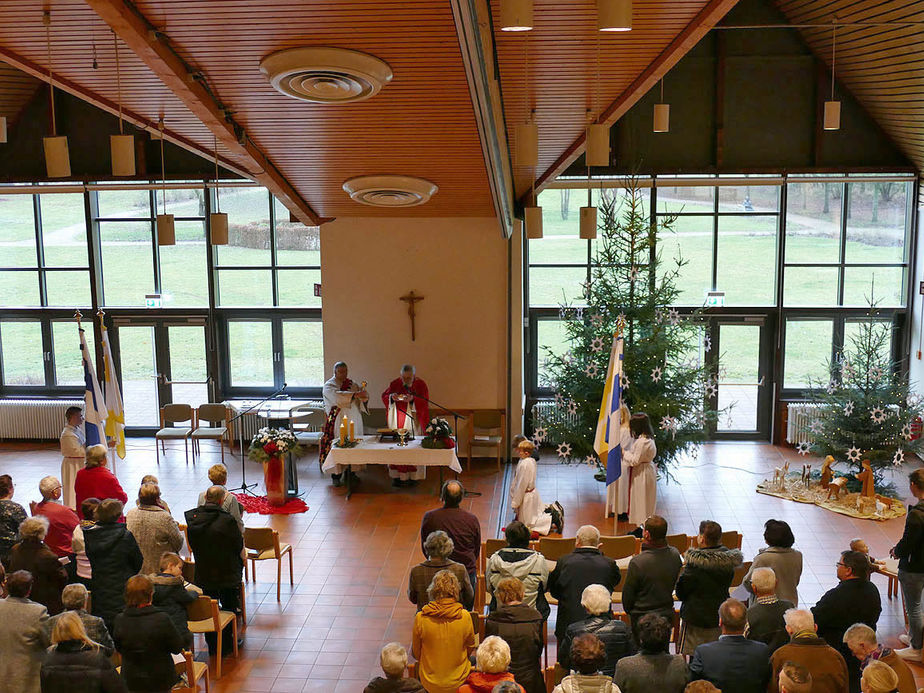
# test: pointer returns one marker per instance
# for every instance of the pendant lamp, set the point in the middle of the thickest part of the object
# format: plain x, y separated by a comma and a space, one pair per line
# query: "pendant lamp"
527, 144
516, 15
662, 117
57, 158
832, 117
3, 135
614, 15
598, 145
121, 146
533, 221
588, 223
166, 230
218, 220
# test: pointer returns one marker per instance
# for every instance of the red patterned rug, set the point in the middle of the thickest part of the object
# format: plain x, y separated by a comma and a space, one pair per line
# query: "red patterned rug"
259, 504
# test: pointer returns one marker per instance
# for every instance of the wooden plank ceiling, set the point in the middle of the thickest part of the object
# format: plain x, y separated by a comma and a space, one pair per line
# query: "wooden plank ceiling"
565, 67
882, 65
421, 124
16, 90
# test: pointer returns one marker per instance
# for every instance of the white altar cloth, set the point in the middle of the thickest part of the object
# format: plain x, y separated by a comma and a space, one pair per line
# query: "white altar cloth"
371, 451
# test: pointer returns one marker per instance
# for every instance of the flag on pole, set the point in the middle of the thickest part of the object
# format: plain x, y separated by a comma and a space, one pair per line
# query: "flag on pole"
94, 411
607, 439
115, 414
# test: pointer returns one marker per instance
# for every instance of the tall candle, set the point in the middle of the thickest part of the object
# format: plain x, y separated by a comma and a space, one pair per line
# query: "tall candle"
351, 431
343, 430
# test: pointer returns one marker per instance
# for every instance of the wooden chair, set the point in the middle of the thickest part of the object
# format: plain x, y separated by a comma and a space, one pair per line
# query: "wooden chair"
554, 548
488, 548
212, 413
553, 676
620, 547
487, 431
732, 539
173, 414
204, 617
189, 574
262, 544
306, 423
681, 542
194, 671
738, 577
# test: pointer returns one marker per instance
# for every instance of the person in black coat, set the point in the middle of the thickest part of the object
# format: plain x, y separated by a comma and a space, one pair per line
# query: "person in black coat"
216, 542
145, 637
172, 594
910, 554
114, 557
652, 574
33, 555
703, 586
76, 664
520, 626
733, 664
854, 600
614, 634
584, 566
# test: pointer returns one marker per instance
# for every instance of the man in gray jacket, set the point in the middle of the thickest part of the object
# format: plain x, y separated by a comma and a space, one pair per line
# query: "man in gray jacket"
23, 636
652, 574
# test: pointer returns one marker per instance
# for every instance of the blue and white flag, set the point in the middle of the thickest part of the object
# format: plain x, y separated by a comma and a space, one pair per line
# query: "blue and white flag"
608, 437
94, 411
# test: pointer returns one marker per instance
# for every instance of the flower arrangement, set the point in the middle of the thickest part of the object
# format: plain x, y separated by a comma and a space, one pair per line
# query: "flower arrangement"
439, 435
272, 442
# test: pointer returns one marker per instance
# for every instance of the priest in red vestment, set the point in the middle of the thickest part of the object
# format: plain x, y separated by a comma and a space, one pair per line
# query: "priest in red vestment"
406, 399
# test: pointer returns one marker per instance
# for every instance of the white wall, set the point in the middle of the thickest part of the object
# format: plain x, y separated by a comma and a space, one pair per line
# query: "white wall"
458, 264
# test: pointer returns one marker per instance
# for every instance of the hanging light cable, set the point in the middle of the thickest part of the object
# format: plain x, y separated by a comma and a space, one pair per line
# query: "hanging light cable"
121, 146
57, 158
166, 228
597, 146
527, 134
218, 220
532, 215
832, 115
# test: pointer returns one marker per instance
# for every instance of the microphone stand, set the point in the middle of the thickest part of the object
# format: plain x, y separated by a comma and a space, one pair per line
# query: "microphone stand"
245, 487
455, 425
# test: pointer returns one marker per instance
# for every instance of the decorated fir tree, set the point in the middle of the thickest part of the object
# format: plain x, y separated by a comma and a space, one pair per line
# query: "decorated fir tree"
867, 408
664, 374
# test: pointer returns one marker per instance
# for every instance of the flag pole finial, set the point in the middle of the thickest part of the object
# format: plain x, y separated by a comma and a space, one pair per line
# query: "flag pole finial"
78, 316
101, 314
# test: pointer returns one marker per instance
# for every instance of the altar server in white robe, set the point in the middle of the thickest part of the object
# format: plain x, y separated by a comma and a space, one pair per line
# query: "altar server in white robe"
342, 397
617, 493
524, 498
74, 453
643, 477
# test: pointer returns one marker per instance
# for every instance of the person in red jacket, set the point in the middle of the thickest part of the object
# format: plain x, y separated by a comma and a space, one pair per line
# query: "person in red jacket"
61, 519
96, 481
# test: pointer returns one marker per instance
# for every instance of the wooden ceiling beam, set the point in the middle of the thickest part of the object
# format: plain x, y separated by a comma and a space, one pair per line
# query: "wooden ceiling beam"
190, 88
104, 104
704, 21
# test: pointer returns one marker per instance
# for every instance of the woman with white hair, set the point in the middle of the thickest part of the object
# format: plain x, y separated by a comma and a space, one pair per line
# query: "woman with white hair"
491, 661
31, 554
879, 678
438, 547
613, 633
393, 659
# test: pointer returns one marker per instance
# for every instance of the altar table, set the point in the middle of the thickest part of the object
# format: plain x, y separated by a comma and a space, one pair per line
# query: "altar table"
371, 451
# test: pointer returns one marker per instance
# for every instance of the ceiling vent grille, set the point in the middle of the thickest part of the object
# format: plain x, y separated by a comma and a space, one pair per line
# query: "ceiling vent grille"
326, 75
390, 191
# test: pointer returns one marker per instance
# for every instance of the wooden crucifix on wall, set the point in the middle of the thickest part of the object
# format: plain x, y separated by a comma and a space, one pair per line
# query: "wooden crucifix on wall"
411, 299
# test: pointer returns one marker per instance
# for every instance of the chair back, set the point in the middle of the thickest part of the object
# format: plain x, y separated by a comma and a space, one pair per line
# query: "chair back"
201, 609
260, 538
681, 542
620, 547
554, 548
189, 571
176, 413
740, 572
732, 539
487, 418
310, 416
492, 546
212, 412
185, 667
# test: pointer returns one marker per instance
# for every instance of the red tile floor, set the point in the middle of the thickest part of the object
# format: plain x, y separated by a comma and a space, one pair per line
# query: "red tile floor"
352, 557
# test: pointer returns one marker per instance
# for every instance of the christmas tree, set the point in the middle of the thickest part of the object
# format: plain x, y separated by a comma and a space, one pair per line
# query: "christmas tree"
867, 408
664, 375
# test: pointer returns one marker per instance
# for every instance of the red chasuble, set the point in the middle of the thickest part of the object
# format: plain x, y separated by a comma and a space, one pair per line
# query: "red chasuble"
419, 389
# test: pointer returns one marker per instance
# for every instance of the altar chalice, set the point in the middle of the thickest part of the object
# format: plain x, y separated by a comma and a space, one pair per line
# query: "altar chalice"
402, 437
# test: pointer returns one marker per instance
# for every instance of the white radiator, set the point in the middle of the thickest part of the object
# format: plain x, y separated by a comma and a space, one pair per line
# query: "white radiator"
801, 415
545, 411
41, 419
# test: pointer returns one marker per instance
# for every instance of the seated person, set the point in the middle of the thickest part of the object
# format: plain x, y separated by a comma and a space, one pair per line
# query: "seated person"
172, 593
525, 564
74, 597
861, 639
824, 663
794, 678
733, 662
653, 668
491, 661
613, 633
393, 659
588, 655
701, 686
438, 547
879, 678
520, 626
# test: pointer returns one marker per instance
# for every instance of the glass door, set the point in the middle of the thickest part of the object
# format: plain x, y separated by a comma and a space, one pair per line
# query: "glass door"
744, 393
160, 362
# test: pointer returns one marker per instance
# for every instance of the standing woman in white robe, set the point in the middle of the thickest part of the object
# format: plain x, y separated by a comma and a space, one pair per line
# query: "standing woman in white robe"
643, 477
524, 498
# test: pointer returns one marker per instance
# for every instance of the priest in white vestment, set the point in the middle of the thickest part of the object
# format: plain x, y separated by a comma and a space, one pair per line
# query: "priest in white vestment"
342, 398
524, 498
74, 453
643, 477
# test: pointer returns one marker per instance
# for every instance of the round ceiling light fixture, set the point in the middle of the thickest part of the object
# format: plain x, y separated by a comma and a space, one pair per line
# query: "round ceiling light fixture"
390, 191
326, 75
